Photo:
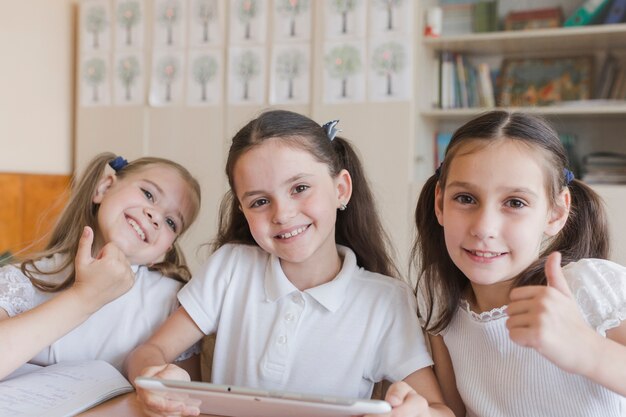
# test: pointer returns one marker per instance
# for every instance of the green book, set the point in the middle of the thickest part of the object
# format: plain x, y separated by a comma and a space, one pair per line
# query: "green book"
485, 16
587, 13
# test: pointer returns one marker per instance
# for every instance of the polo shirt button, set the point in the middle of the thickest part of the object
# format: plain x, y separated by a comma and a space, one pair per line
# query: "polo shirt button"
282, 339
289, 316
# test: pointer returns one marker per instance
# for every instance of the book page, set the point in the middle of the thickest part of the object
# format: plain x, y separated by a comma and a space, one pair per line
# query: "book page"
61, 390
24, 369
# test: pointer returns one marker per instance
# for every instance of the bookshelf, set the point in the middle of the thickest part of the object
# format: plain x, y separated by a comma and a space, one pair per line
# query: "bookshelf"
599, 125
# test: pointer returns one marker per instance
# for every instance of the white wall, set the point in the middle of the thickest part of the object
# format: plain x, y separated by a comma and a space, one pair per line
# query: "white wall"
36, 86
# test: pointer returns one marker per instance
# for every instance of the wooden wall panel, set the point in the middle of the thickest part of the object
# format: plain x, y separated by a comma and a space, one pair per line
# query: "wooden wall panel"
10, 212
44, 196
30, 205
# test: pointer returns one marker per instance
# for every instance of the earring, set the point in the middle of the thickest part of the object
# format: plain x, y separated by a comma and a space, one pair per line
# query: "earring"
342, 207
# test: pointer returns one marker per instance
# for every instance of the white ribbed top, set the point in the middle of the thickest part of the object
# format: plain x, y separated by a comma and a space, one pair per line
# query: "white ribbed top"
498, 378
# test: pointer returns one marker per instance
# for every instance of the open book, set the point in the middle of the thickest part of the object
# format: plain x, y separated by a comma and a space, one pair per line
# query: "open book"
60, 390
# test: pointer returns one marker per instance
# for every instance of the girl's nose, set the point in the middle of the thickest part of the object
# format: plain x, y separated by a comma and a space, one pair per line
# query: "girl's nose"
283, 212
485, 224
154, 217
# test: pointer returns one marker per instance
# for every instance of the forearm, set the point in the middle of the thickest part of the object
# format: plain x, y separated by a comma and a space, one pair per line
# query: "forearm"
26, 334
142, 357
609, 365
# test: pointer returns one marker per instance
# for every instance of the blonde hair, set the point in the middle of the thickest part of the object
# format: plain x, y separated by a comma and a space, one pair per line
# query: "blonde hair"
81, 211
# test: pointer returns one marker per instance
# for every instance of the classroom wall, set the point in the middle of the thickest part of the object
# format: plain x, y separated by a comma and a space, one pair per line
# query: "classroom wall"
36, 86
199, 139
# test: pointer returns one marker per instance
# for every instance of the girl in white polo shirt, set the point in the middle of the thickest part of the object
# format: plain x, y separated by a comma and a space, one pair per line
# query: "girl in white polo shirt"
298, 288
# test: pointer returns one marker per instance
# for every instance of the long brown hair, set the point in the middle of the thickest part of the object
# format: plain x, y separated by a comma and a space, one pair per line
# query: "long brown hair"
585, 234
81, 211
358, 226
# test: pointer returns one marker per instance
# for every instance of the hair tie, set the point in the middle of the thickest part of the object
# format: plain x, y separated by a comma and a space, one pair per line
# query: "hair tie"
330, 129
438, 170
118, 163
569, 176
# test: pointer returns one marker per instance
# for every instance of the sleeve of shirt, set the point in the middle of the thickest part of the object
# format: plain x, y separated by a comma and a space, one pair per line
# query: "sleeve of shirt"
599, 287
16, 291
203, 296
401, 349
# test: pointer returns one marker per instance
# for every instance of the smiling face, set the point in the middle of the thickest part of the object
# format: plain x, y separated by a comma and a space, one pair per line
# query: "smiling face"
290, 202
495, 212
142, 213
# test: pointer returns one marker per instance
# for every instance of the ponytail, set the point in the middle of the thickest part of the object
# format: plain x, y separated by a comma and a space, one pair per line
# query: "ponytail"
358, 226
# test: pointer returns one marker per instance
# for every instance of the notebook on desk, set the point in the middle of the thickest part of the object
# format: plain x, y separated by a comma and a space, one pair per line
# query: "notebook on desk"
230, 400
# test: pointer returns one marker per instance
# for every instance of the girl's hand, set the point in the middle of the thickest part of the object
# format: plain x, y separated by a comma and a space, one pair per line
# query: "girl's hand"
405, 402
548, 320
160, 404
104, 278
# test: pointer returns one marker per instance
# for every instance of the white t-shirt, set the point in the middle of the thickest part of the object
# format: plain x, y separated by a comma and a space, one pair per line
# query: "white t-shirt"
334, 339
498, 378
111, 332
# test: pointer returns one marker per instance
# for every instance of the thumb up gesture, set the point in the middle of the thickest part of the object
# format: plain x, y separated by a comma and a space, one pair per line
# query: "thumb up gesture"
101, 279
547, 319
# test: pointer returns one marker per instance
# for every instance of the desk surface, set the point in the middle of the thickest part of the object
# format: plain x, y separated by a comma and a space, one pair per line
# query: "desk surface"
124, 405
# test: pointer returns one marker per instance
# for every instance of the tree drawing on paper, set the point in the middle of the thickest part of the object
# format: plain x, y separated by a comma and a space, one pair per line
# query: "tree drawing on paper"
95, 23
246, 11
128, 71
94, 74
292, 9
342, 62
204, 69
343, 7
169, 16
247, 66
205, 13
389, 5
289, 65
389, 59
128, 16
167, 72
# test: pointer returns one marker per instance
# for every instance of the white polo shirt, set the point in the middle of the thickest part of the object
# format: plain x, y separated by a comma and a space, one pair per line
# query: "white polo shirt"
338, 338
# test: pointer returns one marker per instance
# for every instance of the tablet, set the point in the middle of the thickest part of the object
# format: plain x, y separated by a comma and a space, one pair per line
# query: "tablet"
230, 400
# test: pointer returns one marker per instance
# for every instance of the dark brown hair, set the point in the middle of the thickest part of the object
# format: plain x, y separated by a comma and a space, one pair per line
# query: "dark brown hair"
358, 227
81, 211
585, 234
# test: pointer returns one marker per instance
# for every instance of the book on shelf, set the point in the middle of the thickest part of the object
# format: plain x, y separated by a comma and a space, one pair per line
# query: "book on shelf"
485, 16
549, 17
60, 390
442, 139
616, 12
604, 168
588, 13
456, 18
611, 83
463, 83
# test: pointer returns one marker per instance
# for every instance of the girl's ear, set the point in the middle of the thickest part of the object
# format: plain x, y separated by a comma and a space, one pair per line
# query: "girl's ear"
107, 179
439, 204
559, 213
343, 185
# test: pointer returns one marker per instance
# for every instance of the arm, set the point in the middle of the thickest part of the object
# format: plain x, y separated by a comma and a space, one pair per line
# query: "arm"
445, 375
548, 320
153, 359
418, 395
98, 281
